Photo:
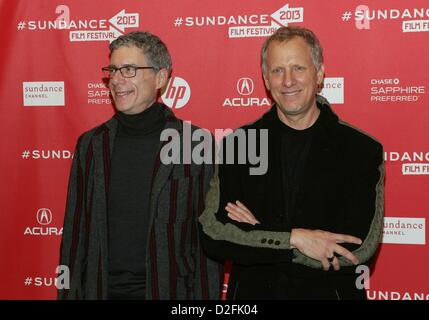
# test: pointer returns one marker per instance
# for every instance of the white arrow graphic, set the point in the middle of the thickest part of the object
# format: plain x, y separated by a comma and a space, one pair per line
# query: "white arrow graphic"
285, 15
124, 20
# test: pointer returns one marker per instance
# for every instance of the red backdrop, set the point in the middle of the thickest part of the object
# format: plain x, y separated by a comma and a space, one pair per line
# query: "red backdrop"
376, 61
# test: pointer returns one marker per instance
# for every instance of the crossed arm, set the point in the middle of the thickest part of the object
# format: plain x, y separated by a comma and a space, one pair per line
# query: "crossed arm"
316, 244
313, 248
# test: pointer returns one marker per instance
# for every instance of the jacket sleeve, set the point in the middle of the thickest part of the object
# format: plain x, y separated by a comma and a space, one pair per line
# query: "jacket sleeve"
225, 239
363, 217
71, 244
364, 212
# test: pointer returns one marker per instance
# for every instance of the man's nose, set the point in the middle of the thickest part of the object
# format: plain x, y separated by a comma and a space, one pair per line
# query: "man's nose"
116, 77
288, 78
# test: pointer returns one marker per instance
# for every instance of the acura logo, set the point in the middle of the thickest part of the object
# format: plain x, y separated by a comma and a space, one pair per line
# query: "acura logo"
245, 86
44, 216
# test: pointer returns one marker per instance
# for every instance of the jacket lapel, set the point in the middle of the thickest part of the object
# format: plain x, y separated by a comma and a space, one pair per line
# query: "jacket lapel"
102, 142
162, 171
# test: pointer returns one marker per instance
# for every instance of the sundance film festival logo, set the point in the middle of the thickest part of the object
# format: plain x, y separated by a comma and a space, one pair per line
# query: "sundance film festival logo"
413, 19
404, 230
44, 219
43, 93
62, 281
246, 25
84, 29
412, 163
392, 90
118, 24
395, 295
177, 93
38, 154
245, 87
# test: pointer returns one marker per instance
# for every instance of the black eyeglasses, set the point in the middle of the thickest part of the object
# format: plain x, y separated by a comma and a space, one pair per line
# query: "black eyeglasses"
126, 71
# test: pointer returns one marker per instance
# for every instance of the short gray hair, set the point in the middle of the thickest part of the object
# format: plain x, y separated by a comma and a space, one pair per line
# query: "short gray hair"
285, 34
154, 49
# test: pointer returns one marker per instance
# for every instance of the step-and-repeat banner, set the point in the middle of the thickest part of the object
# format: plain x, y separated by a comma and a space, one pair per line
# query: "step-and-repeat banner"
51, 90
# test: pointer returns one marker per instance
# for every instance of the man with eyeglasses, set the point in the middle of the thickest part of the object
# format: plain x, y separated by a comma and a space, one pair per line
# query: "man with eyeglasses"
130, 229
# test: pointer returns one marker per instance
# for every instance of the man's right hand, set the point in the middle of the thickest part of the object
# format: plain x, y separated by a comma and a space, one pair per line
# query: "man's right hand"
323, 245
317, 244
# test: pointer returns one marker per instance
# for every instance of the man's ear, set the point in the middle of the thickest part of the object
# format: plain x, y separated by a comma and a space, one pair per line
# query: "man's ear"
267, 83
320, 75
161, 78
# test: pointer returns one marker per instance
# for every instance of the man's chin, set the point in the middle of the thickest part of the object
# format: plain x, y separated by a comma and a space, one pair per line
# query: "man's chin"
122, 108
290, 109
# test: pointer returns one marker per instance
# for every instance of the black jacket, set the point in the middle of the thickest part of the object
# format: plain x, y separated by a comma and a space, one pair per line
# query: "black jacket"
341, 192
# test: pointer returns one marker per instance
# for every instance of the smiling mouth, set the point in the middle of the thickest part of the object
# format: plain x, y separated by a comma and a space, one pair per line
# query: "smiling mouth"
291, 93
122, 93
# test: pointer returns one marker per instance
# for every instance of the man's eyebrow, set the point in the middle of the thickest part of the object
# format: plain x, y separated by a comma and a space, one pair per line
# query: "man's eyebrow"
124, 65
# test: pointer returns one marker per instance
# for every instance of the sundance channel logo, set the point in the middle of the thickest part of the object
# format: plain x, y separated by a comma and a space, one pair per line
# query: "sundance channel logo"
404, 230
44, 219
333, 90
43, 93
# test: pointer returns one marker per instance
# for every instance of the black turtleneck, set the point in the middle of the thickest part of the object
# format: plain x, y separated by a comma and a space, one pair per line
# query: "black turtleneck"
295, 147
136, 144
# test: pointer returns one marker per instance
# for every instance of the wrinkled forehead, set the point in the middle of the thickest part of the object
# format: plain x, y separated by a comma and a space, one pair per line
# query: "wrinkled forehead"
128, 55
296, 47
